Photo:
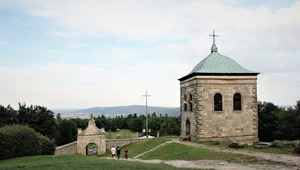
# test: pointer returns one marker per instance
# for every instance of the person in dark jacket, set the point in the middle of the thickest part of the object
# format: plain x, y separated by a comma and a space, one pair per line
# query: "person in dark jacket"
118, 152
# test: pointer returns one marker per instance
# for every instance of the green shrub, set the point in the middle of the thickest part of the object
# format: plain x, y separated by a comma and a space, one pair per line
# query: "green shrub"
47, 145
19, 141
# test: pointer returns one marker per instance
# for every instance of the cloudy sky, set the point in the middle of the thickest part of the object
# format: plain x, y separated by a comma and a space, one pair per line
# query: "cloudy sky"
85, 53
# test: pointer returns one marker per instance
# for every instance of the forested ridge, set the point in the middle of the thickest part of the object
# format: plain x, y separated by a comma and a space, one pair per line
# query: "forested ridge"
274, 122
63, 131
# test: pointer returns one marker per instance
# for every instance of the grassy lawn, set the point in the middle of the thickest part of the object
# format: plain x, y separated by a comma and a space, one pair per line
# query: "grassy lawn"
77, 162
139, 147
287, 151
175, 151
124, 134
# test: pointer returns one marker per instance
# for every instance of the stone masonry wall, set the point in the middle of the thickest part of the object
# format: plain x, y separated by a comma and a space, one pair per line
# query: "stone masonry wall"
70, 148
122, 142
187, 89
227, 124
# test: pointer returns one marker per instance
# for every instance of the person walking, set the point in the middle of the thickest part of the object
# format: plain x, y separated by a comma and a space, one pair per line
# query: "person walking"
113, 152
118, 152
126, 153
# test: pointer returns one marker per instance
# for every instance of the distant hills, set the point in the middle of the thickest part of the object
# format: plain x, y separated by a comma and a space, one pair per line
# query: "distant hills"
117, 110
122, 110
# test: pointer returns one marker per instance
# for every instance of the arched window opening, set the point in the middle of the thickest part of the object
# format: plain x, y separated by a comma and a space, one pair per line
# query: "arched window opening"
218, 102
188, 127
191, 102
237, 102
185, 103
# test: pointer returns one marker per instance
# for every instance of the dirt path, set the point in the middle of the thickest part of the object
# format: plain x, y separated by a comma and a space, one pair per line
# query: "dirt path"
289, 159
213, 164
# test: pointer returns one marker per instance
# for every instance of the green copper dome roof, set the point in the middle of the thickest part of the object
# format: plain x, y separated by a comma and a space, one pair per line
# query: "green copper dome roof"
216, 64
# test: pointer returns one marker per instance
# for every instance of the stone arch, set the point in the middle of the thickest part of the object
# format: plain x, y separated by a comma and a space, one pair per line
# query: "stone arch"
237, 102
91, 149
187, 127
91, 135
218, 102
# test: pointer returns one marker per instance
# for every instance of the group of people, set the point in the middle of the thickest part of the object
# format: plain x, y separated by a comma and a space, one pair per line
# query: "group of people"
118, 151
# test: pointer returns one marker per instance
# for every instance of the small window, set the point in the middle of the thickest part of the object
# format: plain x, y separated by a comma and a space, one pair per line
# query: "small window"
191, 102
185, 103
218, 102
237, 104
188, 127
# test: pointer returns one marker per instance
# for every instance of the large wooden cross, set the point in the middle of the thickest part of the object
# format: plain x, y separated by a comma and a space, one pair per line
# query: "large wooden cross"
146, 95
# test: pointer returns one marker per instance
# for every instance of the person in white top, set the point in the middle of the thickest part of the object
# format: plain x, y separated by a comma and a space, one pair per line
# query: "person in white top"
113, 152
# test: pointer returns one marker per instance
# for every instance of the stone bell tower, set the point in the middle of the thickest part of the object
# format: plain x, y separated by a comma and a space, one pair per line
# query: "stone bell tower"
219, 101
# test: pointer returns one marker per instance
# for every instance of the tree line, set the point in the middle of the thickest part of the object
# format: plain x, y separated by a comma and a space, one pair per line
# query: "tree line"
63, 131
273, 122
278, 123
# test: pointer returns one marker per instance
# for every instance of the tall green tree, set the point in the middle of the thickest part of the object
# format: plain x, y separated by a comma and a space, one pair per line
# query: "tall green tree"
268, 116
8, 116
288, 124
171, 126
80, 123
154, 124
68, 132
40, 119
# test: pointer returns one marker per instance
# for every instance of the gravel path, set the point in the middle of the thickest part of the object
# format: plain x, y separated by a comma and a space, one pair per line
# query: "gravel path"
214, 164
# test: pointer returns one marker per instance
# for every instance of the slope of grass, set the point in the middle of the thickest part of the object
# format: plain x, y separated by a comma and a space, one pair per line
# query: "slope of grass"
124, 134
175, 151
138, 147
288, 151
76, 162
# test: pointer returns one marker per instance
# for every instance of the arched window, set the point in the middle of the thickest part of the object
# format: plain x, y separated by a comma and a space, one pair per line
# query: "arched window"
188, 127
237, 102
185, 103
191, 102
218, 102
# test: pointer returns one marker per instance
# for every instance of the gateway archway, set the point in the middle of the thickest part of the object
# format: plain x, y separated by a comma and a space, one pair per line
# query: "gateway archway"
91, 140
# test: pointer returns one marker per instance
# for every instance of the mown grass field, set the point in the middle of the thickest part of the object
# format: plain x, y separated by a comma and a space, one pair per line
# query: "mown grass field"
274, 150
139, 147
77, 162
124, 134
171, 151
175, 151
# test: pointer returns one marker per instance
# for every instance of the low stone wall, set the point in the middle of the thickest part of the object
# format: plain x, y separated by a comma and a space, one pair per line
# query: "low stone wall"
122, 142
249, 139
70, 148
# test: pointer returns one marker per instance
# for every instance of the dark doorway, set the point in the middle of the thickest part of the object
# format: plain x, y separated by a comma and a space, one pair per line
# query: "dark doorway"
188, 127
91, 149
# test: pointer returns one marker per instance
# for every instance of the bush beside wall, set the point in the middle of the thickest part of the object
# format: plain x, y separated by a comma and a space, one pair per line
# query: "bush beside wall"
19, 141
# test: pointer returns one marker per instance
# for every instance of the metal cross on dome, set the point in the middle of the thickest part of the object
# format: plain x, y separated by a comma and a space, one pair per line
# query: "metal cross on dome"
214, 35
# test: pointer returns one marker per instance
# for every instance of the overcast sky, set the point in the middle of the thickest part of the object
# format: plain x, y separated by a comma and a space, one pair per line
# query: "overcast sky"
79, 54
